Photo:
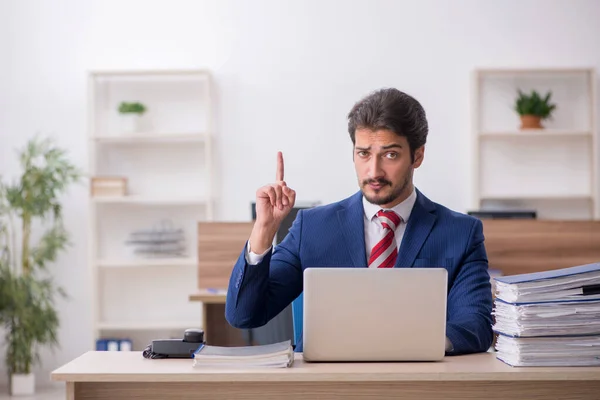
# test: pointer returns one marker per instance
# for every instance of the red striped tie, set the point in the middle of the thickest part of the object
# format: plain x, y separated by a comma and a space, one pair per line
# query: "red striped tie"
384, 253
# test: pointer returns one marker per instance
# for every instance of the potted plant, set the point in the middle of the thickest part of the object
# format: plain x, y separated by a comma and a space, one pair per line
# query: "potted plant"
130, 115
27, 290
533, 109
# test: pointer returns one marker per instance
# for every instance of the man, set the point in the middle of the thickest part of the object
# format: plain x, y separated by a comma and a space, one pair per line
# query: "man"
388, 223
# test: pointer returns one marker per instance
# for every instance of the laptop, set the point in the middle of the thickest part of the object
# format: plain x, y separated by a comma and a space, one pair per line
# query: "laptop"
366, 314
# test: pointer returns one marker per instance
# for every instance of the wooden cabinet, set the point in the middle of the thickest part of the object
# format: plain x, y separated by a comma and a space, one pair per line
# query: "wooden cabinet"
524, 246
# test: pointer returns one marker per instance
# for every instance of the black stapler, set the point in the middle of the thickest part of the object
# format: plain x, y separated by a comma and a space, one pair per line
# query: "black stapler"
176, 348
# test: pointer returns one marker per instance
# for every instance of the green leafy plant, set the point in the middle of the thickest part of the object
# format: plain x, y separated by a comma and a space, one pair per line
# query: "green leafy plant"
27, 290
132, 108
534, 104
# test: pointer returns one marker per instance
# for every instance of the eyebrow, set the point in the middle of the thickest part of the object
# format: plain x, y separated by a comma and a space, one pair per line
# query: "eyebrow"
389, 146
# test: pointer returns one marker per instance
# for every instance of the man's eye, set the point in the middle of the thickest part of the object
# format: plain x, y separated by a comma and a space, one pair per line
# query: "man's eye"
362, 153
391, 155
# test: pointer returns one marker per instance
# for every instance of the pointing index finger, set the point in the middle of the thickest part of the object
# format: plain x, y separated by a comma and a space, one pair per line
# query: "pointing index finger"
279, 176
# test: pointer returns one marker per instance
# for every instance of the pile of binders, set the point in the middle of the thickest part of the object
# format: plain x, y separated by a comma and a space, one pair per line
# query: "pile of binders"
549, 318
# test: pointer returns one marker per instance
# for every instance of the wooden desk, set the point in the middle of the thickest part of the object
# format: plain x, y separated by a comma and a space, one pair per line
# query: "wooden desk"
217, 330
126, 375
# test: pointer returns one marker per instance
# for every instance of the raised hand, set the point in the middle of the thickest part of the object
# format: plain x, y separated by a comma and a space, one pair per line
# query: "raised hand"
273, 203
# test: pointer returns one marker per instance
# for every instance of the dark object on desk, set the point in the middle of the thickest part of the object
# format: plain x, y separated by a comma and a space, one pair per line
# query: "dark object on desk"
176, 348
504, 214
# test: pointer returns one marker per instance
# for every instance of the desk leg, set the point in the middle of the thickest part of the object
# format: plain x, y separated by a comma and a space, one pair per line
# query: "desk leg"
205, 319
217, 330
70, 390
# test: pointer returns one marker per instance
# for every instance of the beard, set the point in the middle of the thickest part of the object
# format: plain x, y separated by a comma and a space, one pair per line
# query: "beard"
396, 190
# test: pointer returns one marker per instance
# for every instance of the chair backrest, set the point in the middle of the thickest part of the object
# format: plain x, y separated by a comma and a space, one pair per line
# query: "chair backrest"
297, 314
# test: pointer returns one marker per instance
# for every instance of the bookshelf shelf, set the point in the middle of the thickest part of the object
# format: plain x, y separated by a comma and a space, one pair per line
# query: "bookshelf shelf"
151, 200
143, 326
539, 133
549, 196
149, 262
162, 138
150, 74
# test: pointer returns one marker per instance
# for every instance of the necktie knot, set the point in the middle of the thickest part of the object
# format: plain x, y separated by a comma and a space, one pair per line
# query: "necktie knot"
389, 219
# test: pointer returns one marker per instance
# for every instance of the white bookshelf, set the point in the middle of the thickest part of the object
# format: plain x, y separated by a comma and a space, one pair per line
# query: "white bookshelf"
553, 170
150, 326
168, 166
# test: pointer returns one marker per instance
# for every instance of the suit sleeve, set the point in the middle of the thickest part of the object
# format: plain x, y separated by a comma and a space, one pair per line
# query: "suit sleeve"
469, 320
257, 293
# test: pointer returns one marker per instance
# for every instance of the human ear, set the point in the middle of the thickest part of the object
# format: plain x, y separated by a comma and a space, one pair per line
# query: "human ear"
419, 155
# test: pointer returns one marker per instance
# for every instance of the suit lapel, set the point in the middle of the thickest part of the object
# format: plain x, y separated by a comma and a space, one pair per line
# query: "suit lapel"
419, 225
351, 221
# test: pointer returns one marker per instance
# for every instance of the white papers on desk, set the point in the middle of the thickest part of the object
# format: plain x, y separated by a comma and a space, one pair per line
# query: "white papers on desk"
549, 318
552, 351
562, 284
277, 355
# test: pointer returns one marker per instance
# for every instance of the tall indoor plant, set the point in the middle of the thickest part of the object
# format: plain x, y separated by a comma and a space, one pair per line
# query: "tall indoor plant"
27, 290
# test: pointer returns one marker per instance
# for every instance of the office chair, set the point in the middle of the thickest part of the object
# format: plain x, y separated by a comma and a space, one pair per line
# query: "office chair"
297, 317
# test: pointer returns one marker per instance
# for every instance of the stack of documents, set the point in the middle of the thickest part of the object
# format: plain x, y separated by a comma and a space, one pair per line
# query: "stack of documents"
549, 318
278, 355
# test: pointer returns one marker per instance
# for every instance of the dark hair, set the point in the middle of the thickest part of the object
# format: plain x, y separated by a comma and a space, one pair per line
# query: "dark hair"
394, 110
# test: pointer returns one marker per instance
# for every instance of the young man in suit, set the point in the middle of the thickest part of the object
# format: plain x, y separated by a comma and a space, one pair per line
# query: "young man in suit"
388, 223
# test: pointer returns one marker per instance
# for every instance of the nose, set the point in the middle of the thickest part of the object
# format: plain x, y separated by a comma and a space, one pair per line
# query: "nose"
375, 168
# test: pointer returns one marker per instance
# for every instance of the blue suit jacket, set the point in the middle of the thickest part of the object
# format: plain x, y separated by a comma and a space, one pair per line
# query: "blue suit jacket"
333, 236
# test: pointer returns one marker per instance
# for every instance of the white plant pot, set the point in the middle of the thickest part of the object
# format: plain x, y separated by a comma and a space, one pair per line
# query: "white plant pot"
22, 384
129, 122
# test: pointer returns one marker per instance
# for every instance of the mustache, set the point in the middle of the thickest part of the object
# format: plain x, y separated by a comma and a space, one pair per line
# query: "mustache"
377, 181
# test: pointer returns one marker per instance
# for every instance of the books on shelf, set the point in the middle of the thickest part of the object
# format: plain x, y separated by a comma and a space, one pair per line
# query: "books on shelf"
549, 318
277, 355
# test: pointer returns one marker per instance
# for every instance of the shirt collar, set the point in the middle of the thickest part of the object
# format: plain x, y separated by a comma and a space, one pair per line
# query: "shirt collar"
403, 209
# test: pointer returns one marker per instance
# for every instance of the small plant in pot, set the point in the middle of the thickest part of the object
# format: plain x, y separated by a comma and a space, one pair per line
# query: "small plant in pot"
533, 108
27, 291
130, 115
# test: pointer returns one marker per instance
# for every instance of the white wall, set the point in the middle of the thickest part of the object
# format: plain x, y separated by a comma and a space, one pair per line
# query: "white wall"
287, 73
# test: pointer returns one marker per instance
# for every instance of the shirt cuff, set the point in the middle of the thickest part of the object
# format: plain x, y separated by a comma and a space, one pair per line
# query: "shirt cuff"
449, 346
253, 258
